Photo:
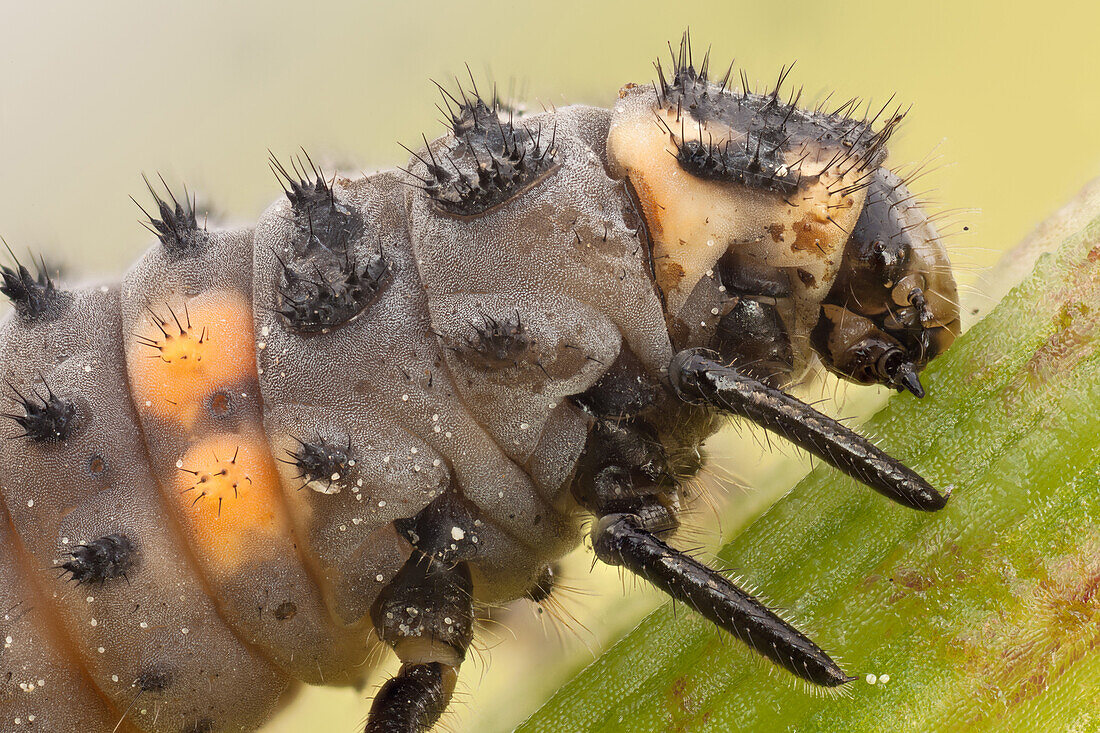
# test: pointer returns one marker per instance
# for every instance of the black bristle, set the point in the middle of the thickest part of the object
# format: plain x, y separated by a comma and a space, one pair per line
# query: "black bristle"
46, 418
490, 158
174, 224
204, 725
34, 295
324, 462
495, 343
100, 560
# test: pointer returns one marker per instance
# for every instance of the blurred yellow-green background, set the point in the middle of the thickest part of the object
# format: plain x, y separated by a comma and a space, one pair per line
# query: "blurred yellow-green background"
1005, 110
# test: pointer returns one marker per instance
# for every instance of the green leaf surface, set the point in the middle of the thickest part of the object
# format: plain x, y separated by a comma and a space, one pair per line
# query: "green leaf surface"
984, 616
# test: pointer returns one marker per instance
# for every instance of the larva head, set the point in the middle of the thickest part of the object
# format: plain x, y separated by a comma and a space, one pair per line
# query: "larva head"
748, 198
894, 305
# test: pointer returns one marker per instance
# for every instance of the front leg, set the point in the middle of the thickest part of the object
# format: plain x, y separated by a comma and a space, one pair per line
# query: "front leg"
697, 377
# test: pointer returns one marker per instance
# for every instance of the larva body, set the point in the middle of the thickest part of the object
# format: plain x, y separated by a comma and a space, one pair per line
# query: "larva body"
242, 462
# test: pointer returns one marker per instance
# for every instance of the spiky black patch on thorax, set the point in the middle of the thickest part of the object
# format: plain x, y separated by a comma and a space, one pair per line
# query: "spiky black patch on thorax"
750, 164
100, 560
45, 418
175, 224
323, 284
763, 128
34, 296
490, 158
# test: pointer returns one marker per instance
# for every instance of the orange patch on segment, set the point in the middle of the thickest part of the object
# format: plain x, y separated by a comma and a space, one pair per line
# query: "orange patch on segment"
670, 274
190, 351
651, 210
229, 498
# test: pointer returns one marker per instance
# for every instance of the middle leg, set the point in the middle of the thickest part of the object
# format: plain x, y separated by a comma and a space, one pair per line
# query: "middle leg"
635, 504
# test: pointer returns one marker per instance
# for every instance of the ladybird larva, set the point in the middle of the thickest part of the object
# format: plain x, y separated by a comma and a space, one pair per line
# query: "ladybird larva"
398, 397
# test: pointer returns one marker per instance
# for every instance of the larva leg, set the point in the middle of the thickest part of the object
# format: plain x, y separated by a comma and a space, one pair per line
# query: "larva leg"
698, 378
623, 539
426, 614
413, 700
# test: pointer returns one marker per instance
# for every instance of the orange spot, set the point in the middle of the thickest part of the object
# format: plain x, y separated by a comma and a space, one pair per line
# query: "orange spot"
229, 498
190, 351
669, 275
809, 236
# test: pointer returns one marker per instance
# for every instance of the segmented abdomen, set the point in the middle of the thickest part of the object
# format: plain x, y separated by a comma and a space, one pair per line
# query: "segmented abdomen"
228, 456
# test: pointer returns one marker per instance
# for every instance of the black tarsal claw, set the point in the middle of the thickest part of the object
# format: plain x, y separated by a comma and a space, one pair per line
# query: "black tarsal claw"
907, 378
916, 298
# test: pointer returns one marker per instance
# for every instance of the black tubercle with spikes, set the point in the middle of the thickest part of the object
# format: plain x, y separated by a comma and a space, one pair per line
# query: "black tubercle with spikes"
34, 296
750, 163
319, 216
46, 418
491, 158
330, 293
767, 125
495, 343
106, 558
323, 285
175, 224
323, 462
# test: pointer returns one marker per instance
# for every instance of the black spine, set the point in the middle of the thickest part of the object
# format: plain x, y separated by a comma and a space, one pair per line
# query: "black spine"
411, 702
621, 540
34, 296
696, 377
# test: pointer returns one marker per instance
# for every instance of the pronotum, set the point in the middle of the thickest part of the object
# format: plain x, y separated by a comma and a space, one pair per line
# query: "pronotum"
400, 397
